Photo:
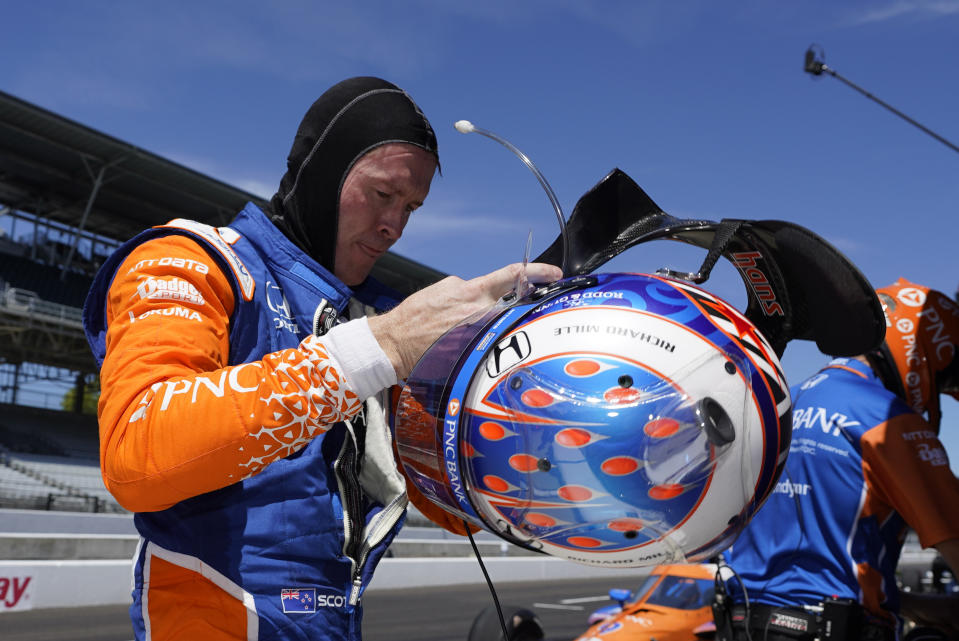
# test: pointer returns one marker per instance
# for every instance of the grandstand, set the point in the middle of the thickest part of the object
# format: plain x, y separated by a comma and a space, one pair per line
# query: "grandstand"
69, 195
49, 461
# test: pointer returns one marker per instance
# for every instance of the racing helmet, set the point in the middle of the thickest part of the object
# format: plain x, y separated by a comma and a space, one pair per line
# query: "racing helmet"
616, 420
922, 331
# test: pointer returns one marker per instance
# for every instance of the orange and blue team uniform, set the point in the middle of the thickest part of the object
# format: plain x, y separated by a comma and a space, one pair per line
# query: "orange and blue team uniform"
264, 493
862, 468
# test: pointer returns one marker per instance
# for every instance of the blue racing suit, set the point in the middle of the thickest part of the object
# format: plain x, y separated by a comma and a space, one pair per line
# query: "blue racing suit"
279, 541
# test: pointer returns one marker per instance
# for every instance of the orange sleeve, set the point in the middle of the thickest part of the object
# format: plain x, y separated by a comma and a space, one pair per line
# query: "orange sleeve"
175, 421
906, 467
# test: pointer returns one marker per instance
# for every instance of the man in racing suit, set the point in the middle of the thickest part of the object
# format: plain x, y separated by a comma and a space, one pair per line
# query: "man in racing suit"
863, 466
251, 442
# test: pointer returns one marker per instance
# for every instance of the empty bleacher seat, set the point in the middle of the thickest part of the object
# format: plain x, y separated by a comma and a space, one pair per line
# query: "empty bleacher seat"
44, 280
29, 429
80, 479
49, 460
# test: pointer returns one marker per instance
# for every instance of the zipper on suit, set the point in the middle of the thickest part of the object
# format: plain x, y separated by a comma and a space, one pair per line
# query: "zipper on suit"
357, 544
346, 470
381, 525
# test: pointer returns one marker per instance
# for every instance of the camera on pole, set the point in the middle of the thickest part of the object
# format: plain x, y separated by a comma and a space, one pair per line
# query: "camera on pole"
814, 63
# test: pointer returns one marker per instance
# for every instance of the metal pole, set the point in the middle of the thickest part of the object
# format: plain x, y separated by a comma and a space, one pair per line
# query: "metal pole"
818, 67
97, 182
16, 383
79, 389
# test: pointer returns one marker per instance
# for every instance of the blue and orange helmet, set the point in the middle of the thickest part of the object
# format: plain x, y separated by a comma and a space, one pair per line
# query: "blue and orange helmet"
617, 419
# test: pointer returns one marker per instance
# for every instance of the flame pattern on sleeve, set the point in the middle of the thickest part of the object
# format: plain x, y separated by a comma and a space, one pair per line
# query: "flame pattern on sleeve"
312, 397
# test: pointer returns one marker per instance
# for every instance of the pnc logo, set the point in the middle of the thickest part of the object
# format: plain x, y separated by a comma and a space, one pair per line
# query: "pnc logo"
911, 297
904, 325
454, 407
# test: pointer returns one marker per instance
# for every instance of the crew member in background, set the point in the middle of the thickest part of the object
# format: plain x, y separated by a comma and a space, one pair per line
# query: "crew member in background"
246, 431
865, 464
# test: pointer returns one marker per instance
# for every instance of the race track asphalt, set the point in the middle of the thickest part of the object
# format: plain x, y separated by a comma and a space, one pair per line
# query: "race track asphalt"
424, 614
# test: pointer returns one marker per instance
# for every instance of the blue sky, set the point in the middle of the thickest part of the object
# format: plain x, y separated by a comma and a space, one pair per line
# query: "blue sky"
705, 106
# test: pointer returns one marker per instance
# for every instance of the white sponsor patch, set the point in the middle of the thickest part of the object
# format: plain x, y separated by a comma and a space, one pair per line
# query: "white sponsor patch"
175, 311
935, 456
172, 261
911, 297
174, 288
792, 489
216, 239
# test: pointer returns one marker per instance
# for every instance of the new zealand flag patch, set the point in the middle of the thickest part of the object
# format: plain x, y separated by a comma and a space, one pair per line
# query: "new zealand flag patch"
298, 600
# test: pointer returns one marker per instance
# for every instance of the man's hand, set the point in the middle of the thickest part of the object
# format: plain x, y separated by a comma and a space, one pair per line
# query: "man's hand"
408, 330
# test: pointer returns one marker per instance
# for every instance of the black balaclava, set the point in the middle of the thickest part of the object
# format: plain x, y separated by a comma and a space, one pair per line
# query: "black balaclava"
348, 120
